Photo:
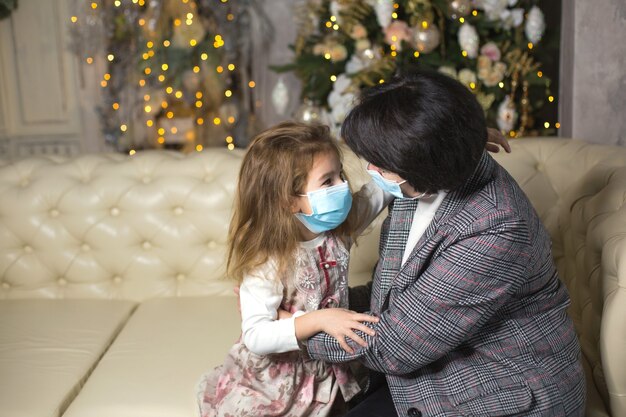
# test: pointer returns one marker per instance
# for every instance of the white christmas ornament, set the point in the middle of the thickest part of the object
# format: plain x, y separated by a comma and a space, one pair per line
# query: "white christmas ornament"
384, 10
512, 18
459, 8
356, 63
507, 115
535, 25
280, 97
468, 39
340, 100
493, 8
426, 39
309, 112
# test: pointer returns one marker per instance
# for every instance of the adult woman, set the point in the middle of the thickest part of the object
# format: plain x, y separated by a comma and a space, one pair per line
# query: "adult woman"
472, 313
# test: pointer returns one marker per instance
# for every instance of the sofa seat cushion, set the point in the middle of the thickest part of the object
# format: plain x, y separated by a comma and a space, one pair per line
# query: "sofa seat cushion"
49, 347
154, 365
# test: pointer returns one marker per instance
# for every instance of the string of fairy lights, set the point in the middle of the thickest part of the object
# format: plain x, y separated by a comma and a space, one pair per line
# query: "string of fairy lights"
167, 89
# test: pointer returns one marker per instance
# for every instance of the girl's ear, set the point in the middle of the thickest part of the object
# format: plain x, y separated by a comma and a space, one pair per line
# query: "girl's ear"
296, 207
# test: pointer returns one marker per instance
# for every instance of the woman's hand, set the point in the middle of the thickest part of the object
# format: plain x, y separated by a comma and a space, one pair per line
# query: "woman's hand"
337, 322
495, 139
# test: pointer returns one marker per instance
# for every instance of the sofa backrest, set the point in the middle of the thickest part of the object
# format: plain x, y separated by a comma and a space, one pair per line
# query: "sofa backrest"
116, 226
579, 191
126, 227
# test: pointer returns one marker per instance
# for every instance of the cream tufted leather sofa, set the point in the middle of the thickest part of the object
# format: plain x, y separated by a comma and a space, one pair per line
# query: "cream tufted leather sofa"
112, 296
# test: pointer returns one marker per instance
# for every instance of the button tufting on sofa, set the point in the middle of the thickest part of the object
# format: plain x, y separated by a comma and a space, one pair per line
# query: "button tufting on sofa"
178, 210
54, 213
28, 249
180, 277
117, 279
114, 211
62, 282
146, 245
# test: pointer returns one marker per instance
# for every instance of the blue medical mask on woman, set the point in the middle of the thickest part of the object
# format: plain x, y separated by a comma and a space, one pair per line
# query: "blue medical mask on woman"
389, 186
330, 208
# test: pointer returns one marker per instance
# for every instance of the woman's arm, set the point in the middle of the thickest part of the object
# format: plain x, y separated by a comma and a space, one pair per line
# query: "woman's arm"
453, 297
337, 322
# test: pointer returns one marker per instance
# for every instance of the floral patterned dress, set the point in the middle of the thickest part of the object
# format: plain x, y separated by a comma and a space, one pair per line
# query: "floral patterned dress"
288, 384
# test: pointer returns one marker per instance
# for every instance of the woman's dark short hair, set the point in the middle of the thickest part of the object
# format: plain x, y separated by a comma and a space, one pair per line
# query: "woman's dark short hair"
425, 126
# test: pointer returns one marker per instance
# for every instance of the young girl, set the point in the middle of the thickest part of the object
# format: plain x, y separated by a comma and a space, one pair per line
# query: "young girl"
289, 244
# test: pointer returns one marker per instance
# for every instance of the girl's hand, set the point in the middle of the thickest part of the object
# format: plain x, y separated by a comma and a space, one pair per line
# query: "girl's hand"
495, 139
337, 322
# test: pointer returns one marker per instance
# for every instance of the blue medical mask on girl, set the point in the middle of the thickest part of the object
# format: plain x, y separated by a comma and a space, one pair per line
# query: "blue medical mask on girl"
389, 186
330, 208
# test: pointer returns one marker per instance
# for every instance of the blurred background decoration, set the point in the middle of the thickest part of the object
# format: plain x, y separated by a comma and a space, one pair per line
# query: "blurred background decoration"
177, 72
495, 47
6, 7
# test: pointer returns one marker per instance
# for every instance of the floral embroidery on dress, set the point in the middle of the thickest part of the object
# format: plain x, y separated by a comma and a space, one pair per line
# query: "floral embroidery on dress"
287, 384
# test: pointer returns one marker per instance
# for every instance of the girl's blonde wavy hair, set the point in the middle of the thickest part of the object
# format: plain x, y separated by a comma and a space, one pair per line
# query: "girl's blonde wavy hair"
273, 172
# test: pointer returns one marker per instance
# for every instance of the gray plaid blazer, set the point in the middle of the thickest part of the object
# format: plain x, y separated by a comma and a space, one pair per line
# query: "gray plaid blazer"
475, 322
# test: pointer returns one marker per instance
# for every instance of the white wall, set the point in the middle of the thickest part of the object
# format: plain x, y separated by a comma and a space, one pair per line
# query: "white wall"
39, 109
593, 71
